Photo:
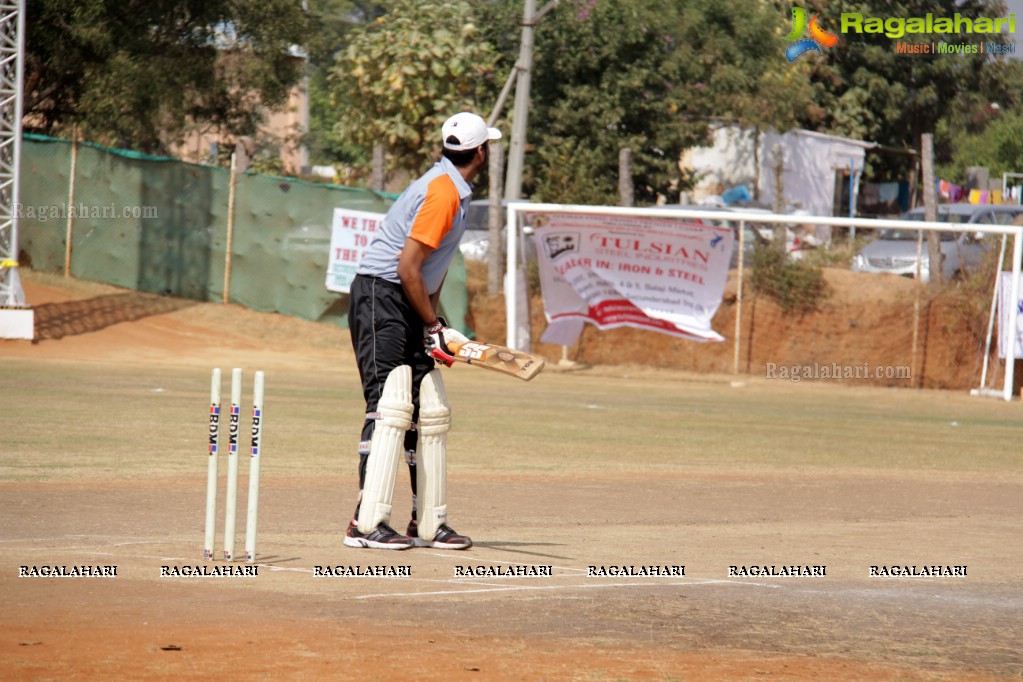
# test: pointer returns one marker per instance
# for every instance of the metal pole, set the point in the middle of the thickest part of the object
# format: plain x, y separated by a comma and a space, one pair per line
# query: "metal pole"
69, 237
495, 219
516, 151
513, 181
1013, 324
19, 71
917, 289
503, 97
510, 291
991, 314
852, 197
738, 296
230, 230
11, 293
626, 192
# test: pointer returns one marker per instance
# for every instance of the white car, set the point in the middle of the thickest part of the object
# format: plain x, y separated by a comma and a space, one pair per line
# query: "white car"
475, 242
895, 250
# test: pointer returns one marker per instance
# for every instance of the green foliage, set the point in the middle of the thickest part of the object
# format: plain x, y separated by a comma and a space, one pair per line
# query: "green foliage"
865, 90
797, 286
333, 24
999, 147
651, 74
133, 74
399, 78
647, 75
605, 76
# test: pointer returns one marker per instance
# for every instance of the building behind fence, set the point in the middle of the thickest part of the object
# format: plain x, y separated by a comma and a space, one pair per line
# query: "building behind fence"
161, 225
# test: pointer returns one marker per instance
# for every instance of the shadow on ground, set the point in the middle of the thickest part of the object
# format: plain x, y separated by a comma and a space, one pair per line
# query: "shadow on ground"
70, 318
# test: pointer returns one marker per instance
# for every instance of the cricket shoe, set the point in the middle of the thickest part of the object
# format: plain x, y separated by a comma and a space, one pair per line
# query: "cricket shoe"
445, 538
382, 537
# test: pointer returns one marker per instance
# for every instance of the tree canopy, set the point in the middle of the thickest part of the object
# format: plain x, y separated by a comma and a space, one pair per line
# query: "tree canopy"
135, 72
400, 77
865, 89
650, 75
333, 23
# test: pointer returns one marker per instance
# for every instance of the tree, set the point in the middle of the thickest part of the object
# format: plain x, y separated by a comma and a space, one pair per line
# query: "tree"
334, 21
999, 147
646, 75
400, 77
136, 73
865, 89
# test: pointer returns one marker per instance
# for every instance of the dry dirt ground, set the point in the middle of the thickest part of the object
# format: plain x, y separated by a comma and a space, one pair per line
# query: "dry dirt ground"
863, 319
103, 428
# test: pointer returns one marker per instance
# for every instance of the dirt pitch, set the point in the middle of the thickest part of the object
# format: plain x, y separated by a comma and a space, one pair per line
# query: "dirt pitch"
102, 463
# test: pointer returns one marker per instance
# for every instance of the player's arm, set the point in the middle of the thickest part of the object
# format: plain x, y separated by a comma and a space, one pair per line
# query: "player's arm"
410, 272
435, 297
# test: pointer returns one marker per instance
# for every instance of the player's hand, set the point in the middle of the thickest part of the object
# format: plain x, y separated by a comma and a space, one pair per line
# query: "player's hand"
438, 336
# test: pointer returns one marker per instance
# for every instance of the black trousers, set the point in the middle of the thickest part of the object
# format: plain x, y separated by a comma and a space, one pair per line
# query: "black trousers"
386, 333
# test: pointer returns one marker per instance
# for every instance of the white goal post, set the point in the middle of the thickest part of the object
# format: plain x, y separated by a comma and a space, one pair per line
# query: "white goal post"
513, 288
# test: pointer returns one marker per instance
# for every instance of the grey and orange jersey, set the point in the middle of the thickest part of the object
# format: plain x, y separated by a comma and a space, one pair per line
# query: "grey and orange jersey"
432, 210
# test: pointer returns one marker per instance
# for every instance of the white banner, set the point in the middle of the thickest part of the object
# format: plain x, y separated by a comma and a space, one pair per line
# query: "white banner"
661, 274
1004, 297
350, 235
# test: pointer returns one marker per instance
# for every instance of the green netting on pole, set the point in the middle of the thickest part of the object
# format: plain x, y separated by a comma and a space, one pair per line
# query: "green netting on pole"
160, 225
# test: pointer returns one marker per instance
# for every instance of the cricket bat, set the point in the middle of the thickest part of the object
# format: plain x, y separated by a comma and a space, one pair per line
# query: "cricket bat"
498, 358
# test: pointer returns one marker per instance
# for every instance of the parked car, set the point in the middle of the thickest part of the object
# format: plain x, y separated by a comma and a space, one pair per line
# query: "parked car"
475, 242
895, 250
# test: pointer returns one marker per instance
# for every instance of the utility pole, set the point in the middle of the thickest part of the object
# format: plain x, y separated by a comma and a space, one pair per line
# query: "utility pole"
517, 146
515, 287
521, 75
931, 208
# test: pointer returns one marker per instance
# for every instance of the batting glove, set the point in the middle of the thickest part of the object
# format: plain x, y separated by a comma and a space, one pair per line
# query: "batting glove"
438, 336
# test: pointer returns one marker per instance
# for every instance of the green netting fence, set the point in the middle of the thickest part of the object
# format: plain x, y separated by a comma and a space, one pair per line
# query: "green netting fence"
160, 225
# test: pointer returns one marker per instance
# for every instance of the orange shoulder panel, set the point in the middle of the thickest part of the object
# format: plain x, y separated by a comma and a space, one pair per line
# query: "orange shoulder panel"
437, 213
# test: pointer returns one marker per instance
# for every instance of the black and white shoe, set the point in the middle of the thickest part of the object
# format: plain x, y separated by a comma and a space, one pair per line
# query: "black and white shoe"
382, 537
446, 538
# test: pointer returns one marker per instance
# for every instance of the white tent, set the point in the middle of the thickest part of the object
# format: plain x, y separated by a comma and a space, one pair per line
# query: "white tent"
810, 163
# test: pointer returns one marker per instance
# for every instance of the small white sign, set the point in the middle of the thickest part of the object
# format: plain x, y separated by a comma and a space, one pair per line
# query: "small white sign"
1004, 307
350, 236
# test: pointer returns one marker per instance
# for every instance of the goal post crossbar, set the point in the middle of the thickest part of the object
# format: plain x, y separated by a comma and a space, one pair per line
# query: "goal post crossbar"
516, 209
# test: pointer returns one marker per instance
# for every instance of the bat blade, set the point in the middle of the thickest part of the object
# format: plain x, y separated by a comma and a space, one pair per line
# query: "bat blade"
498, 358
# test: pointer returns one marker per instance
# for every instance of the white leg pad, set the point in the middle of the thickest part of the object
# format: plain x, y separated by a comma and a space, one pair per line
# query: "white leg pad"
431, 474
395, 408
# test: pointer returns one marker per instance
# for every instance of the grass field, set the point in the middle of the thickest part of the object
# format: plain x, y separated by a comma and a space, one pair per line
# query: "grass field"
102, 462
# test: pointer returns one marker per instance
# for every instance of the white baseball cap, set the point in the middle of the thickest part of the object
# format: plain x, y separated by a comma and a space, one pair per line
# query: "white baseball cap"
466, 131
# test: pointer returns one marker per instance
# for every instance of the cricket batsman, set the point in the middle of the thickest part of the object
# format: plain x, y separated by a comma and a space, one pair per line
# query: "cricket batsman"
397, 336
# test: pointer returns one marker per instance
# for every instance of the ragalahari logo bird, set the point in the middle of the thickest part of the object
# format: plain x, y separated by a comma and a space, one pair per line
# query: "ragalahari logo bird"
818, 39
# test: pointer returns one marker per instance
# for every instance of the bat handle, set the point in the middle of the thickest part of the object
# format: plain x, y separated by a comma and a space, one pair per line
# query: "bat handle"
441, 356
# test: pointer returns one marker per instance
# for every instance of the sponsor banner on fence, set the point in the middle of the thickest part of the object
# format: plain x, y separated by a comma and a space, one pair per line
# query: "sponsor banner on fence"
1004, 306
350, 235
653, 273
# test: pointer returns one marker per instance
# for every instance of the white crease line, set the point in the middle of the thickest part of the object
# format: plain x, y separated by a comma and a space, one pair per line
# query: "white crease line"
48, 538
498, 561
121, 555
82, 548
524, 588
